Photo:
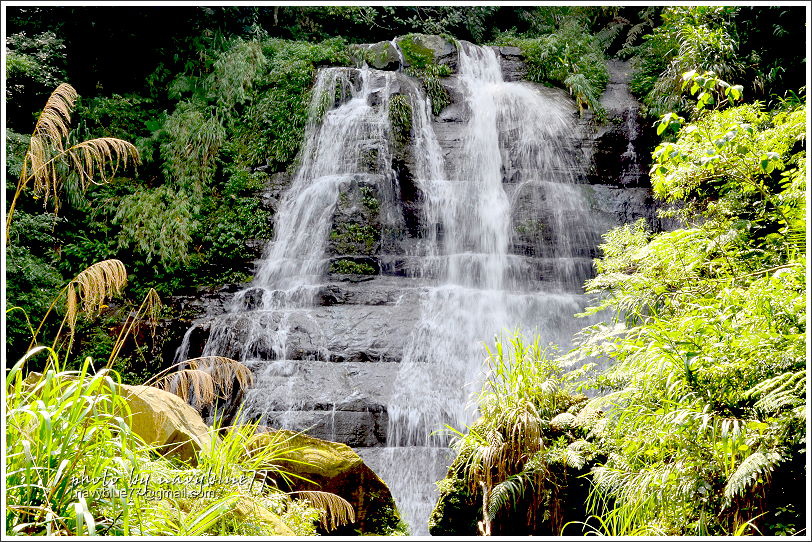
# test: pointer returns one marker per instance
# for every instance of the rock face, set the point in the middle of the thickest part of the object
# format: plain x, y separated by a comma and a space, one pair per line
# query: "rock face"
382, 56
419, 48
620, 143
163, 419
319, 465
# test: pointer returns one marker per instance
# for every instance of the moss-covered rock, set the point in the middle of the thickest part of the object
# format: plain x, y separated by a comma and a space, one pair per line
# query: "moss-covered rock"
382, 56
354, 266
160, 418
322, 465
457, 510
351, 238
422, 50
400, 118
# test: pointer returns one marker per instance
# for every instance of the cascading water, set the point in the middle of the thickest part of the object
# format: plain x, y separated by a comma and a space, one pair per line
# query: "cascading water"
503, 240
481, 287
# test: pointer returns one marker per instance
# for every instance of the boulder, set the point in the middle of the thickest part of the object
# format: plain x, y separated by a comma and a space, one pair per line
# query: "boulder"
165, 420
321, 465
420, 49
382, 56
159, 417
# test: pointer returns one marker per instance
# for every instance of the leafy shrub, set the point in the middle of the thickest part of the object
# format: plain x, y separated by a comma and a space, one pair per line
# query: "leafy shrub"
708, 334
349, 267
568, 56
744, 44
516, 455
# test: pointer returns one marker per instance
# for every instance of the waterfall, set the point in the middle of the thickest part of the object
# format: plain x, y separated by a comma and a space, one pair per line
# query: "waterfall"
483, 288
503, 240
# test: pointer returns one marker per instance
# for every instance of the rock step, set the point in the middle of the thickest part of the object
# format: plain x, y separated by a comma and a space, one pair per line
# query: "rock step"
343, 402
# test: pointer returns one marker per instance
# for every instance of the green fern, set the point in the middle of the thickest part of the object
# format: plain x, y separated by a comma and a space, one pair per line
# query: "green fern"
757, 466
508, 492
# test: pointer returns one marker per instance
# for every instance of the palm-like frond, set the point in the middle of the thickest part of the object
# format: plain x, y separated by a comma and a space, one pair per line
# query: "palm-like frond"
336, 511
192, 385
100, 282
93, 160
225, 372
221, 372
53, 123
152, 306
94, 286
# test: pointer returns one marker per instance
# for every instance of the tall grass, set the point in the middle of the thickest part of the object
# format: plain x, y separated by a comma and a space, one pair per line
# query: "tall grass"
75, 467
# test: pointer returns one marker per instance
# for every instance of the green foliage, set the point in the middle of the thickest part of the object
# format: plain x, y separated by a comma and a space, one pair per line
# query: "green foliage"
415, 53
157, 223
423, 66
33, 64
349, 267
194, 137
400, 117
567, 56
708, 337
368, 199
735, 43
74, 466
749, 156
350, 238
31, 278
272, 128
126, 117
230, 225
516, 455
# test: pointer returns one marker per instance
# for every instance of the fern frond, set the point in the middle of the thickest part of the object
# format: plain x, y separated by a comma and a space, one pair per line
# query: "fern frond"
779, 392
53, 123
335, 511
507, 492
755, 466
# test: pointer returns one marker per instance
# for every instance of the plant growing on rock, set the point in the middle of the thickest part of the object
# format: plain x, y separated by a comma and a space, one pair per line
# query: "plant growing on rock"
423, 66
400, 117
568, 56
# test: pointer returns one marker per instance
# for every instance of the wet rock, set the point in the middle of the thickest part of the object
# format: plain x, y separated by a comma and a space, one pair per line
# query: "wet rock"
512, 63
165, 420
252, 299
619, 149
